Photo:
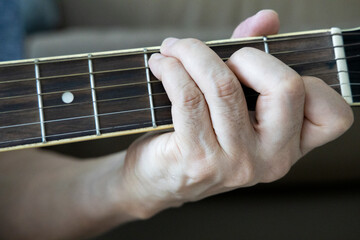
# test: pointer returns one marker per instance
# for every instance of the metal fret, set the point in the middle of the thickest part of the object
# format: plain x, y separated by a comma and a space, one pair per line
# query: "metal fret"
149, 88
40, 101
93, 95
266, 45
341, 64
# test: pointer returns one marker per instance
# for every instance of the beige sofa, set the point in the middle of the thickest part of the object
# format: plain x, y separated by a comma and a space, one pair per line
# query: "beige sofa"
94, 25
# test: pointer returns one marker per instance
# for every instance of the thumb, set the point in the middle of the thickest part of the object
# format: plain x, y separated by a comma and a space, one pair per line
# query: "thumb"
265, 22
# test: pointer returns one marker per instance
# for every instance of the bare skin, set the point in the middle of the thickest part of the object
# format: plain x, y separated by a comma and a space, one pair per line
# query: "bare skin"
217, 144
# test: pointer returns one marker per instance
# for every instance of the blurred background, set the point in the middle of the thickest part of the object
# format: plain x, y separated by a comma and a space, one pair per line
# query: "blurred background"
318, 199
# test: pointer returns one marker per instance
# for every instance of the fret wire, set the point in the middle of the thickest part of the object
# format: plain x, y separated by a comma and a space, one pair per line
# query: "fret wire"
40, 102
140, 68
93, 96
149, 87
266, 45
83, 117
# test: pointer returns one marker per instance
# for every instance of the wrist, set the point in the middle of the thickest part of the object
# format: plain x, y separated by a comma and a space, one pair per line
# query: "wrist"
144, 193
98, 190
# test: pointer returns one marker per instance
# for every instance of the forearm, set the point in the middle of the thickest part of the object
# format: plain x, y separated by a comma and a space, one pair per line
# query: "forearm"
48, 196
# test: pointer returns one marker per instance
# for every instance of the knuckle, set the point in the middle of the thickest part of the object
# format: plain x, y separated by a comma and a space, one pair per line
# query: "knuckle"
200, 171
293, 86
347, 119
226, 86
190, 97
277, 170
194, 174
246, 174
343, 121
242, 173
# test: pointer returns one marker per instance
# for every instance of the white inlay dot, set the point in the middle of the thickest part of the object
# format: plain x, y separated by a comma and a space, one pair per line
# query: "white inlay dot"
67, 97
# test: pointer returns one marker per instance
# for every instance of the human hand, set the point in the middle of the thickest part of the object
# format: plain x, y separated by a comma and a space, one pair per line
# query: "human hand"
217, 144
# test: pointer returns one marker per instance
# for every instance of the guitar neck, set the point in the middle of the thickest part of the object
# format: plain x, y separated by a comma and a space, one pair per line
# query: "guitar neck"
66, 99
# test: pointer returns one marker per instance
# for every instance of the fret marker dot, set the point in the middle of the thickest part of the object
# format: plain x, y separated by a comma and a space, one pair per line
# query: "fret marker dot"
67, 97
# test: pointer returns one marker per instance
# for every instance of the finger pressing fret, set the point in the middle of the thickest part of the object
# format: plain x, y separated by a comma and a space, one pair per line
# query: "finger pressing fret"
116, 91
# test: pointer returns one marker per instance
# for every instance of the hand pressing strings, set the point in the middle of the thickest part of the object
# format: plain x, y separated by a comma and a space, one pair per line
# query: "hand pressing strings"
217, 145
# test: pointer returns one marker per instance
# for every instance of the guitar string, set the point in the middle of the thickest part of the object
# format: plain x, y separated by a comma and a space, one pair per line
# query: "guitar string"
79, 90
305, 63
85, 74
125, 111
136, 96
86, 116
143, 96
146, 95
141, 52
351, 33
116, 128
143, 67
101, 129
131, 84
112, 113
113, 129
91, 102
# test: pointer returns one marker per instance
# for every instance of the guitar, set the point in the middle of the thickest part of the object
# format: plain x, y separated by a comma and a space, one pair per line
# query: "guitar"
65, 99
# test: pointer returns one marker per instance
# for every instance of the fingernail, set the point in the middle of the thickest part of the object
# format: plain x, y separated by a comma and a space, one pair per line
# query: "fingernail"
169, 41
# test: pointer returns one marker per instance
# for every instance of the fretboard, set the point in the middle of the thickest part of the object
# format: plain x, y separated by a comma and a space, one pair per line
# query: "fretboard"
80, 97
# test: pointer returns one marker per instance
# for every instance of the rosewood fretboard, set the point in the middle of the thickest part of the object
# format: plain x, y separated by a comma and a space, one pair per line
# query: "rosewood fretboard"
73, 98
